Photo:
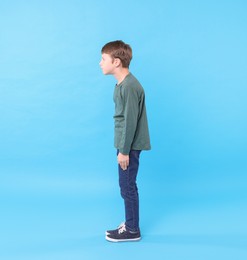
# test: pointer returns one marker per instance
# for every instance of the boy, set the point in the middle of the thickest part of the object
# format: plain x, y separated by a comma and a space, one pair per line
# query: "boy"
131, 134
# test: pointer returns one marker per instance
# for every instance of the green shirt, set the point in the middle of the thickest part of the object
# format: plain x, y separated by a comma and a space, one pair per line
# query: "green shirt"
131, 126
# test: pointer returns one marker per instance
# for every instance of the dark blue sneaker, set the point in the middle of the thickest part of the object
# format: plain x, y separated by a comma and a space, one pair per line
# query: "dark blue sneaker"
123, 235
108, 232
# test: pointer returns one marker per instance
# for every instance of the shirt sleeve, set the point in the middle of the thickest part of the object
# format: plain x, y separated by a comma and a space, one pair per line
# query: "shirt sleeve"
131, 108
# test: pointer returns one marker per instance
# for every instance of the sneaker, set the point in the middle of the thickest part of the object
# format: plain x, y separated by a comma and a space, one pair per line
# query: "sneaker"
108, 232
123, 235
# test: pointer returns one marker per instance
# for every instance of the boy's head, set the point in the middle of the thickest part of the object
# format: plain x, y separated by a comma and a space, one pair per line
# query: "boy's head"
119, 50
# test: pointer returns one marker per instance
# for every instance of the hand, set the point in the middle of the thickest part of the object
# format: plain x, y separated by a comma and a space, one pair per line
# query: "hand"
123, 161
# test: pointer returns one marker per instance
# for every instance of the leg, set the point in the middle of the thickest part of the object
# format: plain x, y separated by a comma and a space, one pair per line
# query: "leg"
129, 191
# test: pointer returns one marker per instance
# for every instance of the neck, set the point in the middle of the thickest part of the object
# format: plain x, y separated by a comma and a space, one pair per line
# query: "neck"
121, 74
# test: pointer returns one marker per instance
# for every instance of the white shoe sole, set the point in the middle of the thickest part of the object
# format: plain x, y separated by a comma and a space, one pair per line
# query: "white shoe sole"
122, 240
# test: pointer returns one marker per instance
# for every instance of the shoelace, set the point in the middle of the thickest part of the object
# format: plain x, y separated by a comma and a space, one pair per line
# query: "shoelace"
121, 225
121, 229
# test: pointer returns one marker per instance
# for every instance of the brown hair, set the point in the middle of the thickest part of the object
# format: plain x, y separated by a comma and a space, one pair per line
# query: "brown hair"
120, 50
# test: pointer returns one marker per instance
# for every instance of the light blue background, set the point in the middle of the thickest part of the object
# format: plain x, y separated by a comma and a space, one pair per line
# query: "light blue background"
58, 178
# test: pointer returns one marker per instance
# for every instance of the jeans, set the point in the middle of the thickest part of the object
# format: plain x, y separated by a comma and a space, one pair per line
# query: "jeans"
129, 191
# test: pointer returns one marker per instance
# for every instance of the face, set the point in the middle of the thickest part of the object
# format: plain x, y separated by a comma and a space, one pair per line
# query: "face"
107, 64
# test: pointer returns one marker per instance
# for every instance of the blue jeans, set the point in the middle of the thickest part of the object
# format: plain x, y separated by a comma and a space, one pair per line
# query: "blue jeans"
129, 191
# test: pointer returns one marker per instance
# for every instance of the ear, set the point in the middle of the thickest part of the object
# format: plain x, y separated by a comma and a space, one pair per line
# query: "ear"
117, 62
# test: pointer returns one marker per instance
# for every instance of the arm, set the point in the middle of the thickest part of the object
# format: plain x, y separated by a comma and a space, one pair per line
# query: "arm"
131, 111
